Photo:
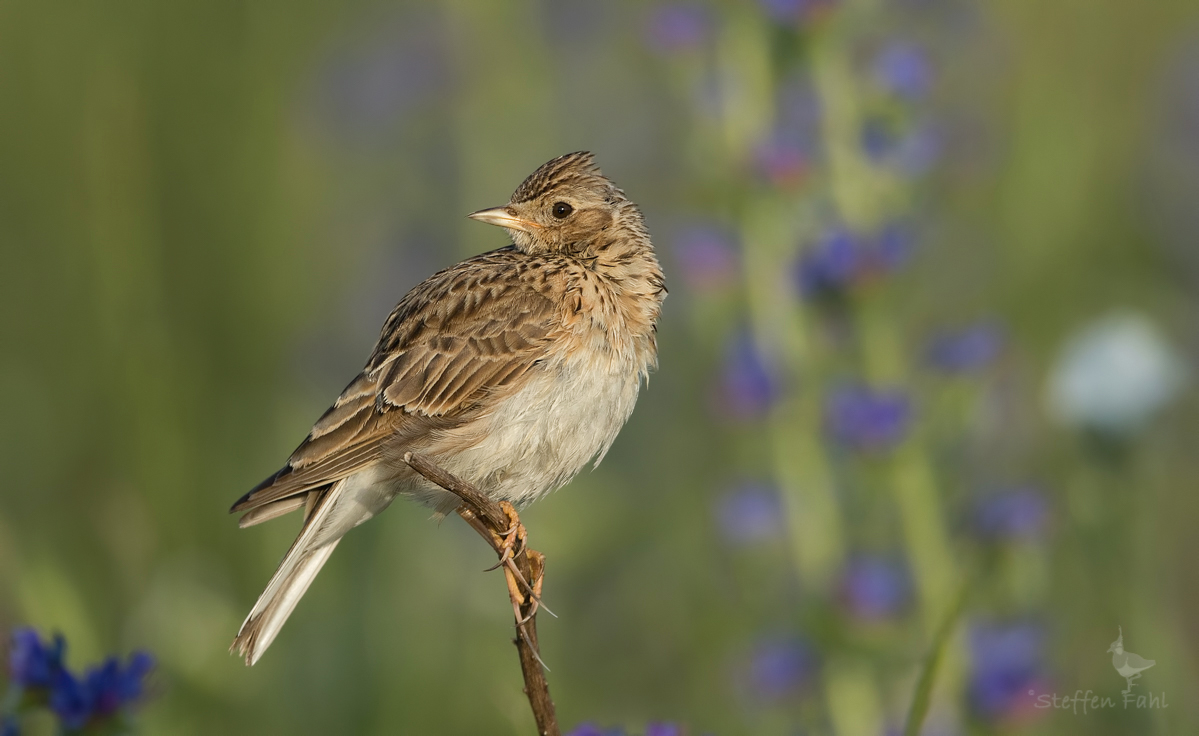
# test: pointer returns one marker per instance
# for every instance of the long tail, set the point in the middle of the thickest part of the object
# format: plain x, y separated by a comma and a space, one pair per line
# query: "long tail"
296, 572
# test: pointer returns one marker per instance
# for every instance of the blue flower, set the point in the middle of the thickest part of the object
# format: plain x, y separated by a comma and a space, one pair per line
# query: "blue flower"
748, 387
33, 664
874, 588
793, 11
72, 700
8, 727
831, 264
1020, 513
593, 729
749, 513
652, 729
1007, 661
781, 667
77, 701
891, 249
841, 259
969, 349
904, 70
677, 27
783, 11
105, 690
781, 159
861, 418
114, 687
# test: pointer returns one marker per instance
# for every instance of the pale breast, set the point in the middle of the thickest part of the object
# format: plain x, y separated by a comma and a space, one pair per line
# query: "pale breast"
567, 413
571, 404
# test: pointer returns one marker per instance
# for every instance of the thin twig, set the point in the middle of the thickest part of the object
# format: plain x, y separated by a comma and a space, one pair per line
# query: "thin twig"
488, 519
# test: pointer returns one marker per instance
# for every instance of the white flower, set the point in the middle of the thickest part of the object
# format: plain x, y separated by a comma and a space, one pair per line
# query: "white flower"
1114, 375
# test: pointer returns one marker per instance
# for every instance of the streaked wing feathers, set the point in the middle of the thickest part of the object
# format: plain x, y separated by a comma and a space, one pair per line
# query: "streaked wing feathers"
454, 342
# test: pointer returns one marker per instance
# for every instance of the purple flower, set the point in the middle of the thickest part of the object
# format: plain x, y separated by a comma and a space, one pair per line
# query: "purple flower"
1020, 513
891, 249
861, 418
874, 588
32, 663
72, 700
966, 350
677, 27
831, 264
841, 259
904, 70
748, 387
652, 729
793, 11
781, 160
1006, 663
114, 687
103, 691
706, 258
781, 667
749, 513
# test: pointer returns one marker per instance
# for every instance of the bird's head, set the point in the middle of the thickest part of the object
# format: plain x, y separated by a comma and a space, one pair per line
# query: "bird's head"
567, 205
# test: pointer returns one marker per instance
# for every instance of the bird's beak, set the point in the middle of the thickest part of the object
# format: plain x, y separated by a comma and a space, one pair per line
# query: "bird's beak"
503, 217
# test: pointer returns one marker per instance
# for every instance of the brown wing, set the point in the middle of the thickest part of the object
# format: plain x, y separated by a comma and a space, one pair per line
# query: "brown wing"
461, 339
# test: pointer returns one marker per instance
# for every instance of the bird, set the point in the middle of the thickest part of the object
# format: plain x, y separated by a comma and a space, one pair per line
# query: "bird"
512, 370
1129, 665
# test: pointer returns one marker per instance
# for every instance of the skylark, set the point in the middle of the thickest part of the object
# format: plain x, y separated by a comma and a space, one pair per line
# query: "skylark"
511, 370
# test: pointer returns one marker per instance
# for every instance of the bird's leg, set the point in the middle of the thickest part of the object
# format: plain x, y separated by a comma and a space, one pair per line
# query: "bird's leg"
514, 543
511, 543
513, 538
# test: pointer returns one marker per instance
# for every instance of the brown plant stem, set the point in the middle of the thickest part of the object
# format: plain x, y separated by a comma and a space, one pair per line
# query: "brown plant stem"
489, 520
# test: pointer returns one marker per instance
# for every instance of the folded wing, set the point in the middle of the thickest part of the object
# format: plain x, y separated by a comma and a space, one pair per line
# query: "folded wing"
457, 343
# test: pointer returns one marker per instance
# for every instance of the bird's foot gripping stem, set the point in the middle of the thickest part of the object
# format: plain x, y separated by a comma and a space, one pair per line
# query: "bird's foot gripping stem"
511, 543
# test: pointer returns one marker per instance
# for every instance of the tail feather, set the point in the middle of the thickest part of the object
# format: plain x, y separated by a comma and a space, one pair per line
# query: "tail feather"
296, 572
276, 603
272, 510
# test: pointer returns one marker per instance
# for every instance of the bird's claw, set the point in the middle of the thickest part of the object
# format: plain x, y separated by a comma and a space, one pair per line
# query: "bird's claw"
512, 543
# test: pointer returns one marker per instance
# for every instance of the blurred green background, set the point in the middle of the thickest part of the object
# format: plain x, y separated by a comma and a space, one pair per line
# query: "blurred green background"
207, 209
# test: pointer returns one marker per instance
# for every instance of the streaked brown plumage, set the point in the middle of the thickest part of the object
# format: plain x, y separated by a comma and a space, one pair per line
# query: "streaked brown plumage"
511, 370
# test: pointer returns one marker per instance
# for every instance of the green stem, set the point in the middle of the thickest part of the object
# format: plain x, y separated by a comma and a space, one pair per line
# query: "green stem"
770, 229
928, 673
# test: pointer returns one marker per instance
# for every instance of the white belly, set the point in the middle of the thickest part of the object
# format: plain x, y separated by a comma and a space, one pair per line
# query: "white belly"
541, 436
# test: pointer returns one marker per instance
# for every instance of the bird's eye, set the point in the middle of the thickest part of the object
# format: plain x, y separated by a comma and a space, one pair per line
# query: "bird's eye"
562, 209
